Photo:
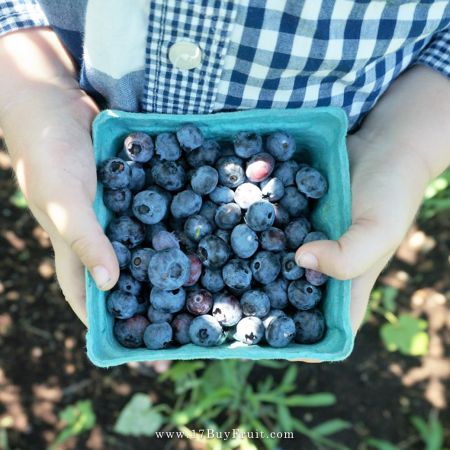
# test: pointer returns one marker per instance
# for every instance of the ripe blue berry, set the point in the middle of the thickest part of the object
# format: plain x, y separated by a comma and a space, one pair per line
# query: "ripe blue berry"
114, 173
212, 280
221, 195
226, 309
255, 303
123, 254
282, 217
273, 240
185, 203
227, 216
272, 189
149, 206
223, 234
168, 301
130, 332
158, 316
296, 232
231, 171
286, 172
315, 236
128, 284
158, 336
190, 137
139, 147
311, 182
138, 176
164, 239
208, 210
206, 331
260, 216
169, 269
265, 267
206, 155
121, 304
246, 194
249, 330
213, 252
289, 268
310, 326
281, 145
236, 274
277, 292
117, 200
204, 180
315, 278
303, 295
199, 301
180, 326
295, 203
167, 147
247, 144
244, 241
280, 332
169, 175
272, 314
140, 259
126, 231
197, 227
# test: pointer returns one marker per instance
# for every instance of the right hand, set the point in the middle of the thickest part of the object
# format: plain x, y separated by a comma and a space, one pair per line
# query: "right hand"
48, 137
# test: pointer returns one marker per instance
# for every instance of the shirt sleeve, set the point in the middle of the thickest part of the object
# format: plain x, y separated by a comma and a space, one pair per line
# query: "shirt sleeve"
436, 54
20, 14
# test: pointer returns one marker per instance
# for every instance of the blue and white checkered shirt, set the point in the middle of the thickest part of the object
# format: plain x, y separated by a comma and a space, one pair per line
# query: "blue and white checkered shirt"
254, 53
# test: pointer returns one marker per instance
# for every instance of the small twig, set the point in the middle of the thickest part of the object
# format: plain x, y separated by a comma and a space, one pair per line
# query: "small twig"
76, 387
42, 333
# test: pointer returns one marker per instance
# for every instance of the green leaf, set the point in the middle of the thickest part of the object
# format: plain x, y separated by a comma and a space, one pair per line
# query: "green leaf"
313, 400
380, 444
290, 376
272, 364
406, 335
138, 418
284, 418
18, 200
436, 436
181, 369
389, 298
331, 426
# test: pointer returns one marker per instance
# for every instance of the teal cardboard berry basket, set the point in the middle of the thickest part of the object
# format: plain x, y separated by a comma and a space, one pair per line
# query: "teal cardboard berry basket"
320, 136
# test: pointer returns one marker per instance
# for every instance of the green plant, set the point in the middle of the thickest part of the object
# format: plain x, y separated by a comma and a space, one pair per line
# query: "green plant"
77, 419
219, 396
437, 197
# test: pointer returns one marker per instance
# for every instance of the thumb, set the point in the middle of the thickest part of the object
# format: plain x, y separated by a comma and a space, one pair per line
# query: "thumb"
78, 226
365, 243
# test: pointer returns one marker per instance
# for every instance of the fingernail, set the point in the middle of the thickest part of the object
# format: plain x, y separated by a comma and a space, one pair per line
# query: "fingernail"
308, 261
101, 276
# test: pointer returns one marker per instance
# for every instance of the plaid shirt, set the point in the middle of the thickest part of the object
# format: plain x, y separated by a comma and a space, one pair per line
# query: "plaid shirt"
255, 53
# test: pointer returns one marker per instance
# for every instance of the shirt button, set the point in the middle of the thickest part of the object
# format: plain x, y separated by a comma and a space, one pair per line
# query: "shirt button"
185, 55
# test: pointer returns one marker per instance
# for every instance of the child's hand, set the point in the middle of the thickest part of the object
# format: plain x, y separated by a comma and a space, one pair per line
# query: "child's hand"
48, 136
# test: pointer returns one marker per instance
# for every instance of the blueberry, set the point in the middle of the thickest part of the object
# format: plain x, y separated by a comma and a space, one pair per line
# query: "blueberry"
128, 284
205, 331
227, 216
158, 316
169, 174
310, 326
249, 330
180, 326
272, 189
212, 280
117, 200
231, 171
197, 227
260, 167
185, 203
282, 217
286, 172
208, 210
199, 301
196, 270
277, 292
303, 295
247, 144
223, 234
143, 305
244, 241
126, 231
315, 236
130, 332
236, 274
280, 332
114, 173
167, 147
289, 268
204, 180
140, 259
281, 145
265, 267
190, 137
158, 336
315, 278
221, 195
168, 301
121, 304
186, 244
260, 216
273, 240
246, 194
213, 252
206, 155
296, 232
295, 203
255, 303
164, 239
272, 314
153, 229
139, 147
169, 269
149, 206
138, 176
311, 182
123, 254
227, 309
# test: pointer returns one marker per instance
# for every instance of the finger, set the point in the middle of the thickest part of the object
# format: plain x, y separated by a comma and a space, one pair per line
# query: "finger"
70, 274
73, 217
353, 254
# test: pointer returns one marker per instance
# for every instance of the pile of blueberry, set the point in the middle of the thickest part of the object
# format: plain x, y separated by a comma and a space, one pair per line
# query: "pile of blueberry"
205, 234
